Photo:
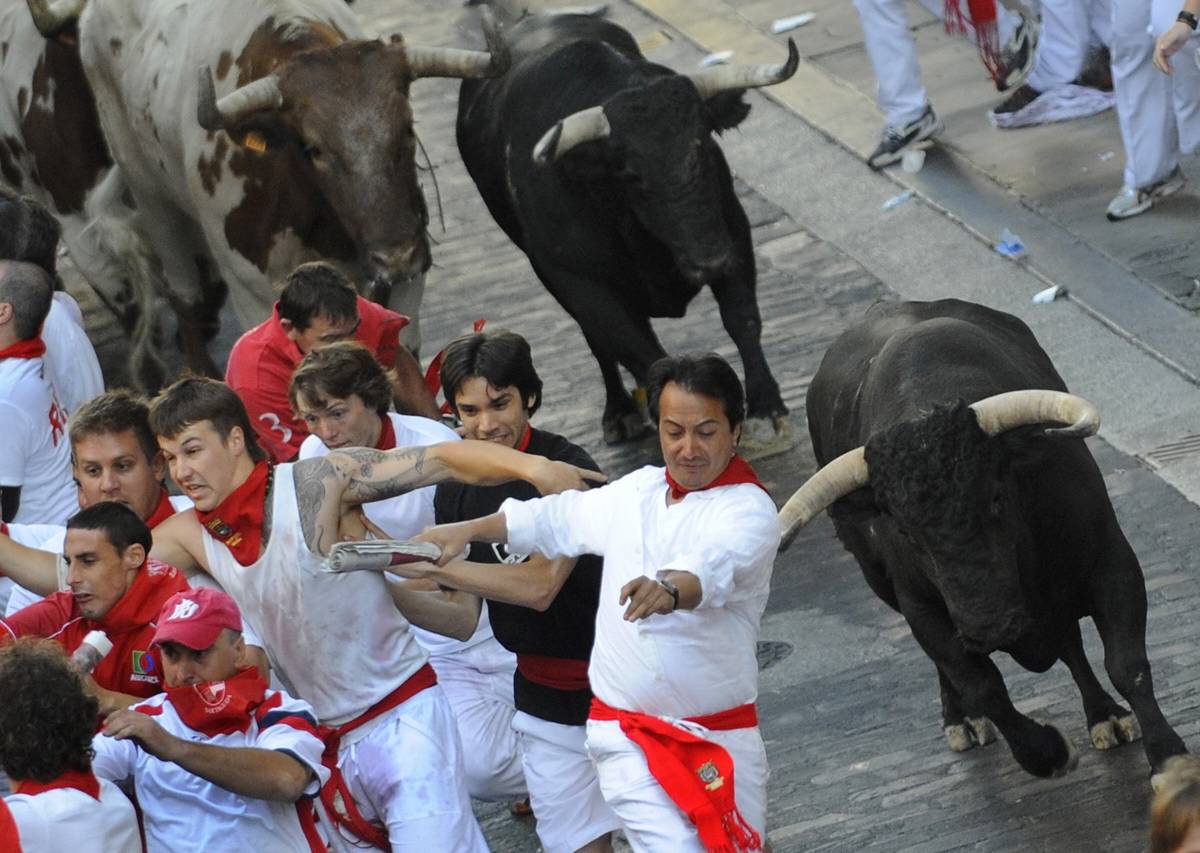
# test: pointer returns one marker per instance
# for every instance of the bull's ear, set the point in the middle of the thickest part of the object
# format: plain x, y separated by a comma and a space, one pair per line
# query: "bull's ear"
726, 110
858, 506
1027, 447
261, 134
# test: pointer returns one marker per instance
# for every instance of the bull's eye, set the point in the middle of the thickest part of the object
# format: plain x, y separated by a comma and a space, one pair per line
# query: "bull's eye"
312, 152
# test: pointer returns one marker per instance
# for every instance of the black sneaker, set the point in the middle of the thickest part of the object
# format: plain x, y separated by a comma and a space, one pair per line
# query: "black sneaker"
899, 140
1097, 70
1017, 55
1018, 100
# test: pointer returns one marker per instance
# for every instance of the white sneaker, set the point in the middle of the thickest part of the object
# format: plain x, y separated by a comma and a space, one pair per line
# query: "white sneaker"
1131, 201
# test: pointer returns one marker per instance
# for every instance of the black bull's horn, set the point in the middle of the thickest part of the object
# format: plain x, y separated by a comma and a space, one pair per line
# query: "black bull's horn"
996, 415
52, 16
591, 123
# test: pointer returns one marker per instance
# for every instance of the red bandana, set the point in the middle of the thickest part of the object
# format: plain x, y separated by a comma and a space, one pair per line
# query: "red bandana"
220, 707
32, 348
238, 520
163, 510
980, 16
80, 780
737, 471
525, 437
387, 435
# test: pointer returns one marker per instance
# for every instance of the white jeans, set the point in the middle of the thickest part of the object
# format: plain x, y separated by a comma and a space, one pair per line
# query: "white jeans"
1069, 29
1159, 115
651, 820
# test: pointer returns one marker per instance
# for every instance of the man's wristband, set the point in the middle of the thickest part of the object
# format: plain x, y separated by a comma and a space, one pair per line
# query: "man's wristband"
1188, 18
674, 590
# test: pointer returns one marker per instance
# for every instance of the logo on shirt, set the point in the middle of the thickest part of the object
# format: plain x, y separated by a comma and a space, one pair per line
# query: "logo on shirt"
224, 532
710, 776
144, 668
213, 695
185, 609
503, 555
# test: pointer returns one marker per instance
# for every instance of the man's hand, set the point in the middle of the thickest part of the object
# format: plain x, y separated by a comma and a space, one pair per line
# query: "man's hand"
453, 539
1169, 43
150, 736
554, 477
418, 570
646, 597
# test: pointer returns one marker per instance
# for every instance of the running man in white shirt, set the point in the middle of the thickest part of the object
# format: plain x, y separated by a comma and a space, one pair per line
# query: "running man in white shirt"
46, 723
220, 762
35, 462
688, 553
342, 394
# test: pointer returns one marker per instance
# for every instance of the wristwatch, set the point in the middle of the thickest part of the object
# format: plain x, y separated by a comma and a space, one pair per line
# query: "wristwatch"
674, 590
1187, 18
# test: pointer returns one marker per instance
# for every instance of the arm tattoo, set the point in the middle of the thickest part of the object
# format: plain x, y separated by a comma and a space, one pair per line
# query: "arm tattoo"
376, 475
311, 489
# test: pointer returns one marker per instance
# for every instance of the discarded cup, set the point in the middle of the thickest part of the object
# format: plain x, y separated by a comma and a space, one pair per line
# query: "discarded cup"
912, 161
1045, 297
718, 58
1107, 155
1010, 245
897, 200
782, 25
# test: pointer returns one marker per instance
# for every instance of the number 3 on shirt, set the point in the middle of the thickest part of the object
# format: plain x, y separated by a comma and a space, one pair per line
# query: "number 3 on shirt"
273, 422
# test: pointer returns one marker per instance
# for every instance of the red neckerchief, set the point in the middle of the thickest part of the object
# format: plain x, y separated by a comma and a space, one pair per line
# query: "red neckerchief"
32, 348
737, 471
163, 510
80, 780
387, 435
141, 603
525, 438
980, 17
220, 707
238, 520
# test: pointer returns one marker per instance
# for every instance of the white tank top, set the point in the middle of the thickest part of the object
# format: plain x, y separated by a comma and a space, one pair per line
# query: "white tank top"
336, 640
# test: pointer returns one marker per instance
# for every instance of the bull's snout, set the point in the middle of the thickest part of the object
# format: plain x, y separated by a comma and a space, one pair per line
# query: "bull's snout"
703, 270
401, 262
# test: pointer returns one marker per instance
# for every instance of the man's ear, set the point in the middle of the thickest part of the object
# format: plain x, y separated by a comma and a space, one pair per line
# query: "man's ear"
133, 556
239, 651
158, 466
236, 440
737, 435
6, 312
289, 328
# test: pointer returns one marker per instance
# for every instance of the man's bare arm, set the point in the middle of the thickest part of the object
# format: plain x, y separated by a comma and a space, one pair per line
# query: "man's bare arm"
534, 583
177, 542
31, 568
447, 612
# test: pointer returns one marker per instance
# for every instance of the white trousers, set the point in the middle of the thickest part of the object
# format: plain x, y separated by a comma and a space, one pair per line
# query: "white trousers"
651, 820
1159, 115
478, 682
407, 772
1069, 29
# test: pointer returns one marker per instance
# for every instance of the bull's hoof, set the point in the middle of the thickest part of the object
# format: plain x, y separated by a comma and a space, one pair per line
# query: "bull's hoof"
763, 437
1111, 733
970, 733
1072, 758
627, 427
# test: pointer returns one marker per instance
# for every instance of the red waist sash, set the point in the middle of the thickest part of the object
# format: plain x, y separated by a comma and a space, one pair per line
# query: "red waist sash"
697, 774
555, 673
335, 795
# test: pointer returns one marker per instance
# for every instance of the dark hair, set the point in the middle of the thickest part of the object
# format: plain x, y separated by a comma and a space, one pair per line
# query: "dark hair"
193, 399
28, 231
317, 289
114, 412
339, 370
698, 373
501, 357
28, 289
46, 718
121, 525
1175, 809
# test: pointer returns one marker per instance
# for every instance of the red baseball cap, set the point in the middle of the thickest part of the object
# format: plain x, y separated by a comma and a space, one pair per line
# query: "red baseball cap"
196, 618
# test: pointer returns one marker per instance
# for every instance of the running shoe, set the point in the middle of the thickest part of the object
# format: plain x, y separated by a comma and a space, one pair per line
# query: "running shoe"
897, 141
1017, 55
1131, 201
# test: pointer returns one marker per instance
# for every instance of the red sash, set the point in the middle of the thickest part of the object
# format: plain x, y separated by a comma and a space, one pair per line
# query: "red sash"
335, 795
238, 520
980, 16
555, 673
696, 774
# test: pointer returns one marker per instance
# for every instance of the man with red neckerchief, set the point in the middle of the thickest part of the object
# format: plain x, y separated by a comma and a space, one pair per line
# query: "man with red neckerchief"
220, 761
35, 462
688, 553
114, 588
46, 723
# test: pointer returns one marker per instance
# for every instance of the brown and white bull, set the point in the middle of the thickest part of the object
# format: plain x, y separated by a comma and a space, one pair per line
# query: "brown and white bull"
254, 137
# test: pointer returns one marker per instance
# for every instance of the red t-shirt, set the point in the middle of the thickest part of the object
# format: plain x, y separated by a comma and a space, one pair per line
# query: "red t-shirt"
262, 361
132, 666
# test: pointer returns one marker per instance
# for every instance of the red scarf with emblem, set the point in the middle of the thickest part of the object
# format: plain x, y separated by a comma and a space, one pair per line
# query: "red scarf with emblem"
980, 16
737, 471
238, 520
32, 348
220, 707
163, 510
80, 780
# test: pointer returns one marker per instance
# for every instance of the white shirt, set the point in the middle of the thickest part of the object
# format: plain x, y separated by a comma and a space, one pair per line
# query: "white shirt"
71, 363
680, 664
335, 640
184, 811
66, 820
404, 516
35, 453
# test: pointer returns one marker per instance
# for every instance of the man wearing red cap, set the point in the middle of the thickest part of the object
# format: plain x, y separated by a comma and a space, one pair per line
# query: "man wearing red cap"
698, 538
220, 761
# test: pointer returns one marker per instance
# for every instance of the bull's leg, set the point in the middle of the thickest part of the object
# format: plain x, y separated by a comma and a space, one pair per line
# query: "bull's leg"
962, 732
1039, 749
1119, 611
1109, 724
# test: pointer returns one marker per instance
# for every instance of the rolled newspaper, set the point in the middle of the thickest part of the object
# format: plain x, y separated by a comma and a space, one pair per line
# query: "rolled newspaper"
377, 555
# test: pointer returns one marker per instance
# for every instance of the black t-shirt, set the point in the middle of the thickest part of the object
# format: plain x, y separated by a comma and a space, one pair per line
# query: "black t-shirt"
567, 627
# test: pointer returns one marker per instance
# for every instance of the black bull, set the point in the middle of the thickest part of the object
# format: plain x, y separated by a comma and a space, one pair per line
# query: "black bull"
984, 536
631, 221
